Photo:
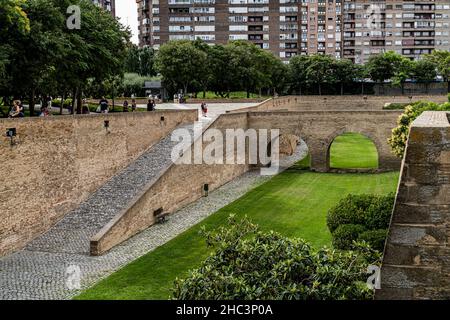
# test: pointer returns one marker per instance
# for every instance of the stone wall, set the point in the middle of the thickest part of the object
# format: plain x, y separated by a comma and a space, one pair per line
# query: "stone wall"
416, 262
357, 103
319, 129
57, 162
177, 186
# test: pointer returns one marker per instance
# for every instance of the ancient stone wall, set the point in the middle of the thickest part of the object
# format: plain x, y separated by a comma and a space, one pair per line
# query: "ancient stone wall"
416, 262
357, 103
319, 128
177, 186
57, 162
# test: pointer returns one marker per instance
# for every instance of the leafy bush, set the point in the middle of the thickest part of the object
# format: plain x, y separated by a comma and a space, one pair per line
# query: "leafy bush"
395, 106
57, 102
375, 238
370, 211
411, 112
345, 234
357, 214
248, 264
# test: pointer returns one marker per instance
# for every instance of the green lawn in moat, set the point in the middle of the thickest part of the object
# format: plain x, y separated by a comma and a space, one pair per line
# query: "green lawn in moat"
294, 203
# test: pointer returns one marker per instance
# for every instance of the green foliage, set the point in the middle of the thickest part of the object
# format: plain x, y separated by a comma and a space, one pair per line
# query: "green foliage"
248, 264
181, 63
345, 234
375, 238
53, 59
396, 106
355, 215
424, 70
441, 59
370, 211
140, 61
400, 133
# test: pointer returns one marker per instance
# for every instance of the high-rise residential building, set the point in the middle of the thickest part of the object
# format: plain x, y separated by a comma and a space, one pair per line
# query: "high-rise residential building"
108, 5
411, 28
353, 29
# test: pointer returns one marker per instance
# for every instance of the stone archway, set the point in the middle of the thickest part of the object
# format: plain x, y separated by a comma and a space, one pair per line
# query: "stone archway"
366, 139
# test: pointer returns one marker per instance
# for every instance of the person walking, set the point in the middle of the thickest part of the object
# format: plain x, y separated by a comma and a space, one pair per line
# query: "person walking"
125, 106
104, 105
133, 105
204, 109
150, 105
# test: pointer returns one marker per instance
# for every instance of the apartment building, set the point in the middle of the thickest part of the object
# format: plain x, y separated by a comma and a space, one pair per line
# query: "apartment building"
108, 5
411, 28
353, 29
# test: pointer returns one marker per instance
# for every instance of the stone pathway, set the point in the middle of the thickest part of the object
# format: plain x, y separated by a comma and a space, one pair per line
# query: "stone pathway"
44, 268
36, 274
73, 232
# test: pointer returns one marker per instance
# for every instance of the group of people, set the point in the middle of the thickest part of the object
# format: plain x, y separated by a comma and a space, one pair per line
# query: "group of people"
103, 106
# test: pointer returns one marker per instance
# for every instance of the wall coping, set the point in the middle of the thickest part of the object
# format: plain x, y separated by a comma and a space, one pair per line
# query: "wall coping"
433, 119
98, 115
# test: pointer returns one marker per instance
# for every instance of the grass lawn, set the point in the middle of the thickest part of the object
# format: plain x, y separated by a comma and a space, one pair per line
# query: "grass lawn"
293, 203
353, 151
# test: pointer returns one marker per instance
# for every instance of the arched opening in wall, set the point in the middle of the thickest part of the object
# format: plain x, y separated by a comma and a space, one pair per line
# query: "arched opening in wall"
294, 152
352, 150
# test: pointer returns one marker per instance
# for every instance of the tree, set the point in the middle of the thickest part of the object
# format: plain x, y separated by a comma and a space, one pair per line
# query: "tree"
441, 58
140, 60
248, 264
297, 69
424, 71
400, 133
320, 70
380, 67
13, 20
222, 77
403, 69
345, 71
180, 62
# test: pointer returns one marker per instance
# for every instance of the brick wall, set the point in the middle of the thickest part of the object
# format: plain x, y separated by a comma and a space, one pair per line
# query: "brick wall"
58, 161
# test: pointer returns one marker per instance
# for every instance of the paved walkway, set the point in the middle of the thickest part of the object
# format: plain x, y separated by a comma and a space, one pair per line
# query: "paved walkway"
43, 274
42, 269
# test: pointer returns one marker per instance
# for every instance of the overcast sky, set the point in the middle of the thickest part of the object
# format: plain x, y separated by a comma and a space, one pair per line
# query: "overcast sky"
126, 10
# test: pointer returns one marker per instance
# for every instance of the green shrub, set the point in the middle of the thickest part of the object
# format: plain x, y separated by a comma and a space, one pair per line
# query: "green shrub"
375, 238
355, 215
400, 133
345, 234
57, 102
370, 211
248, 264
395, 106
